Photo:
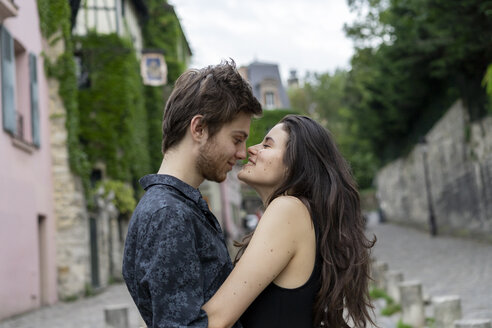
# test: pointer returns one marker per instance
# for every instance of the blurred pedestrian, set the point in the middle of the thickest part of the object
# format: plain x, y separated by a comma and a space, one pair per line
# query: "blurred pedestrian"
175, 256
307, 262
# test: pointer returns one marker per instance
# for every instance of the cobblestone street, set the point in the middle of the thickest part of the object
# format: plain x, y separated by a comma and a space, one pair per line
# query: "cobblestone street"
83, 313
444, 265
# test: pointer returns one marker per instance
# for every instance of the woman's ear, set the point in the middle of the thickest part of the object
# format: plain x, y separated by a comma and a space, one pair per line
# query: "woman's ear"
198, 130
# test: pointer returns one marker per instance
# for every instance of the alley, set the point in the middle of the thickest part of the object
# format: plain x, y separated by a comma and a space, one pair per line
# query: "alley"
444, 265
83, 313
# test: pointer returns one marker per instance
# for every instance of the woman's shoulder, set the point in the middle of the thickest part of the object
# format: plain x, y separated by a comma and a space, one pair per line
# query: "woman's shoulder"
288, 203
289, 207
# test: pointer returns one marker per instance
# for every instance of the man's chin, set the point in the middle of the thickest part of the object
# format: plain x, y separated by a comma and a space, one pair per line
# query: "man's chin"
218, 178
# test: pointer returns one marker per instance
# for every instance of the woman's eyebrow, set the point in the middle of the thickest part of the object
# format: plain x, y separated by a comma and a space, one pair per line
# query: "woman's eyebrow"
269, 139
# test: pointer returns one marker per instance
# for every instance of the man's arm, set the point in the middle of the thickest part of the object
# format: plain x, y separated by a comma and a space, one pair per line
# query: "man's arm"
169, 272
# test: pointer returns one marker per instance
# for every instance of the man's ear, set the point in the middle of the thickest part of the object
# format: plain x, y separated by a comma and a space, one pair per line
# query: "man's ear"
198, 130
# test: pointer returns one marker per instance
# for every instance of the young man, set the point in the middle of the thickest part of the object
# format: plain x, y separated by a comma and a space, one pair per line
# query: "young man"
175, 256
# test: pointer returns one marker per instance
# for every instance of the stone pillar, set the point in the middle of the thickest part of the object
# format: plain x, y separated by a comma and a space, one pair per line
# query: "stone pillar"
473, 323
379, 270
412, 304
393, 279
116, 316
447, 309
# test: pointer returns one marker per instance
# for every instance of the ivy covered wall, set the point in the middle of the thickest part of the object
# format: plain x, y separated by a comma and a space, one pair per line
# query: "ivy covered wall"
55, 24
162, 31
113, 120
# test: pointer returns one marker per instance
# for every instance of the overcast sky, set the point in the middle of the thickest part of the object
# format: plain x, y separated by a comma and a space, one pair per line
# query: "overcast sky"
306, 35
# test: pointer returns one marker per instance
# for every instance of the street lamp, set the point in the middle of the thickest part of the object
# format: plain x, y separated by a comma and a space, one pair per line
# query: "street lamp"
432, 218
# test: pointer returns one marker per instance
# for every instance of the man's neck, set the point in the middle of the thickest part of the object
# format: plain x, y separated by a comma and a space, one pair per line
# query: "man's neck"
181, 165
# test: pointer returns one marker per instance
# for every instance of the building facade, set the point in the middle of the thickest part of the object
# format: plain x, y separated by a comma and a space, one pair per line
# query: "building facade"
27, 236
266, 84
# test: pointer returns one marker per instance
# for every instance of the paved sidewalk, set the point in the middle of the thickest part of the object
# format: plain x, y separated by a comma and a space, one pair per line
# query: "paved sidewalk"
444, 265
83, 313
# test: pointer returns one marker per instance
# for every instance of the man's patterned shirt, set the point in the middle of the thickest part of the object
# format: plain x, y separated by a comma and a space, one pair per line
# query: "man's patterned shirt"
175, 256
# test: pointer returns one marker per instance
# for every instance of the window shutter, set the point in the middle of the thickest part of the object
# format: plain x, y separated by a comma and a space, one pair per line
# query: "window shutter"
33, 77
8, 80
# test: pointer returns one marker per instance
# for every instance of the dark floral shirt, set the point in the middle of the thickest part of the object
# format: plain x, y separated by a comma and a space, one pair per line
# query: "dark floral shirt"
175, 256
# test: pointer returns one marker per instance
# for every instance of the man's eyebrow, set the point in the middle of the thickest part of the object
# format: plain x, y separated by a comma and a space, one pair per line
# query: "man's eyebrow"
244, 134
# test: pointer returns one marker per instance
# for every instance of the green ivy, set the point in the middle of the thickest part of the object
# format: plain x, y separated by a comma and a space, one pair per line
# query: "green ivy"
391, 306
124, 198
161, 31
401, 324
119, 119
487, 84
55, 18
113, 116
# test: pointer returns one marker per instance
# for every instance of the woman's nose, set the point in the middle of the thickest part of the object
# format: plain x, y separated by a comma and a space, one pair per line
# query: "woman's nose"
253, 150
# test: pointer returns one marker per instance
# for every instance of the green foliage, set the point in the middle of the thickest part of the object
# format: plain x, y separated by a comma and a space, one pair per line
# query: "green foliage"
124, 198
413, 60
112, 126
391, 307
400, 324
376, 293
89, 291
113, 116
487, 83
430, 322
261, 126
55, 17
162, 31
71, 298
324, 96
154, 104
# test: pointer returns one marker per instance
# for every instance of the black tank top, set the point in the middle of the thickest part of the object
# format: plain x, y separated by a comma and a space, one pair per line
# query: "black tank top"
278, 307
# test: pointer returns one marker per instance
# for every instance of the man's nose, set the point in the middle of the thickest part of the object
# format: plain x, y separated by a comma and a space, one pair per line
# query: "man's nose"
241, 153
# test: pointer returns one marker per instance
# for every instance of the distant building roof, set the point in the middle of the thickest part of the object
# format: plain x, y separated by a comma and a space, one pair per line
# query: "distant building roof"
258, 72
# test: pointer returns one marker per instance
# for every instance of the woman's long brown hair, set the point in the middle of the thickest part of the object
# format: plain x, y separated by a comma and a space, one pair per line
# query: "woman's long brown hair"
320, 177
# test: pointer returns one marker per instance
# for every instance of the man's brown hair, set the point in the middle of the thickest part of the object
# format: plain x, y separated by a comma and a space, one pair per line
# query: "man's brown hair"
217, 92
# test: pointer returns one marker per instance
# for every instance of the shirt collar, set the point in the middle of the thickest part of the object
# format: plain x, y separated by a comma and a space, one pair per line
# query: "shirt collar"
164, 179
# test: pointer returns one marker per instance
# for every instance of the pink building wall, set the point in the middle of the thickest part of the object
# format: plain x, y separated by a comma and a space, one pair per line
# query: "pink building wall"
27, 230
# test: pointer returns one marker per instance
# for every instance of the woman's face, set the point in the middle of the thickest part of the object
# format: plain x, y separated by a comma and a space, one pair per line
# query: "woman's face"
265, 168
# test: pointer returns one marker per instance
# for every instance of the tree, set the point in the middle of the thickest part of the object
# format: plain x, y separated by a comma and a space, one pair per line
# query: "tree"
324, 97
414, 58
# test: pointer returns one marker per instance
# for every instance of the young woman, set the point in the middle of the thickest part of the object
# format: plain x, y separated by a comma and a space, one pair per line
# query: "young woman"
307, 262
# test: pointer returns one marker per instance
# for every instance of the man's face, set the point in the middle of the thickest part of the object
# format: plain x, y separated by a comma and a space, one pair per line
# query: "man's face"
219, 154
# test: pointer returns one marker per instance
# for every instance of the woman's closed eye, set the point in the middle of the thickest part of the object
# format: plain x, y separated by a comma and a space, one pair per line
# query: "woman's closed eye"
266, 146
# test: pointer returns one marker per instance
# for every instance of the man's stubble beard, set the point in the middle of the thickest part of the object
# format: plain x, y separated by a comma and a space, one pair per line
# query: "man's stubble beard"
209, 162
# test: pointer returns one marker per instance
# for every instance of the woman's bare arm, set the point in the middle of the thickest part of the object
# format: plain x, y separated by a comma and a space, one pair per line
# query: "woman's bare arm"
273, 245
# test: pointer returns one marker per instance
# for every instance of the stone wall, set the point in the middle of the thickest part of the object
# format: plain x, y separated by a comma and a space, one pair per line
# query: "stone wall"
109, 242
72, 238
458, 155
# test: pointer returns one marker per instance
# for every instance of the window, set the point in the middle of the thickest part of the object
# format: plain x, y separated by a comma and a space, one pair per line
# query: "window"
20, 95
9, 112
269, 100
34, 95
